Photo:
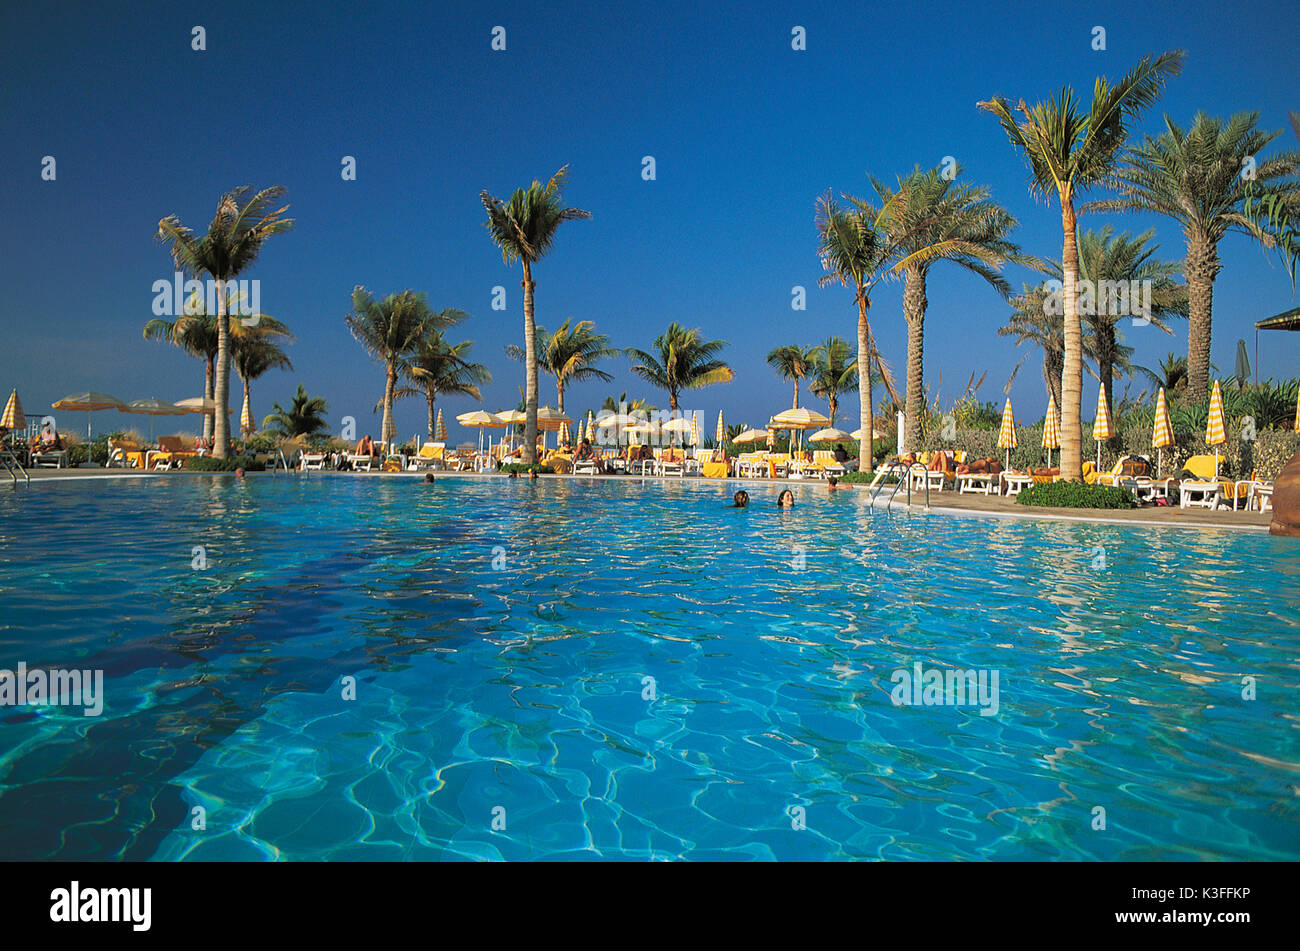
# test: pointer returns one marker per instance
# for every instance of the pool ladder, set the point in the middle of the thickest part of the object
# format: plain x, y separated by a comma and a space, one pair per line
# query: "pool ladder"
13, 466
904, 474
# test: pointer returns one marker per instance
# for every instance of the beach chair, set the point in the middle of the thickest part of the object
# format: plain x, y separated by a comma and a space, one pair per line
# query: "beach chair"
824, 459
694, 464
124, 454
670, 462
1261, 497
362, 463
1230, 491
428, 457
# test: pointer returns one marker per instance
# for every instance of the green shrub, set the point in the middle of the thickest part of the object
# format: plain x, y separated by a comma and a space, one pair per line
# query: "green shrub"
525, 469
212, 464
1076, 495
865, 478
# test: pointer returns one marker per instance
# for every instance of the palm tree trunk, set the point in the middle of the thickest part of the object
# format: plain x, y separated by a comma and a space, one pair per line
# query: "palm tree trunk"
1202, 267
530, 369
796, 393
559, 396
864, 384
914, 304
390, 380
1052, 378
209, 370
833, 404
1072, 370
428, 395
221, 387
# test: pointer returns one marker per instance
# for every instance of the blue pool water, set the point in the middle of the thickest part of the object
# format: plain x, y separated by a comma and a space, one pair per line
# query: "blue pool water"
613, 670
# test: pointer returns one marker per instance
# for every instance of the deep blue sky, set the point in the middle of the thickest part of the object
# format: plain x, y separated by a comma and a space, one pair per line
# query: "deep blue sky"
745, 131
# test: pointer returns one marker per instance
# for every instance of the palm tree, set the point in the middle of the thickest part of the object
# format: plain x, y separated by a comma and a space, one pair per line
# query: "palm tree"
1106, 256
569, 355
391, 330
234, 239
1069, 150
936, 218
613, 406
792, 363
834, 371
438, 368
524, 229
684, 361
1172, 373
255, 354
195, 332
1195, 177
855, 253
1030, 322
305, 417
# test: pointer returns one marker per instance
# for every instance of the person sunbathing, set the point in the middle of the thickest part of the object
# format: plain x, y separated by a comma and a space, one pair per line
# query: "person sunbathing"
977, 466
366, 447
719, 455
48, 441
586, 454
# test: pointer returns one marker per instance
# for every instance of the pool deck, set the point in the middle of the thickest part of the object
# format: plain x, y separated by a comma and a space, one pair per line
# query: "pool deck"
948, 503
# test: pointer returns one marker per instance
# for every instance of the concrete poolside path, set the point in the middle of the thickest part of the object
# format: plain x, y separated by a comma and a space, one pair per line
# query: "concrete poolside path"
947, 502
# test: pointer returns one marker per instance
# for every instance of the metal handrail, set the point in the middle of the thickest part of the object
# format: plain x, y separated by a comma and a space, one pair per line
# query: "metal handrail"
906, 473
10, 462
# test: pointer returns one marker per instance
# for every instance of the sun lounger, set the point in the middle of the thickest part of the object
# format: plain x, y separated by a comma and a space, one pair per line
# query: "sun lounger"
362, 463
977, 483
126, 454
1261, 497
429, 457
670, 463
1011, 482
1192, 492
824, 459
49, 458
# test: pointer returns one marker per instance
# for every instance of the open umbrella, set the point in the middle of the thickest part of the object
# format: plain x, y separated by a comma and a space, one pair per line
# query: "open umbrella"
152, 407
1216, 430
751, 435
682, 426
1051, 429
480, 420
511, 419
1162, 433
88, 403
830, 434
799, 419
1101, 430
1007, 433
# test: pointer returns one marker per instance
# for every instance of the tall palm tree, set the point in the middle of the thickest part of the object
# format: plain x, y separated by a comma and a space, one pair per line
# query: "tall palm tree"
1195, 177
792, 362
683, 361
255, 354
391, 330
1069, 150
1106, 256
235, 237
855, 253
524, 229
1030, 322
834, 371
438, 368
937, 218
569, 355
304, 417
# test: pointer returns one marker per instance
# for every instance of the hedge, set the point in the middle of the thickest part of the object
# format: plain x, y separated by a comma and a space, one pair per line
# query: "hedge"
1076, 495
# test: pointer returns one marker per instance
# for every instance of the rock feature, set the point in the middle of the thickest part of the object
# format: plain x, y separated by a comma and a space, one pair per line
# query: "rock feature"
1286, 500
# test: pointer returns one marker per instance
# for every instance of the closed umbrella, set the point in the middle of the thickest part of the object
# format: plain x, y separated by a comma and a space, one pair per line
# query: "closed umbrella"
1007, 433
695, 428
564, 434
1297, 411
1216, 430
88, 403
440, 428
591, 427
1243, 364
721, 434
1162, 434
13, 416
1051, 429
549, 421
1101, 430
246, 425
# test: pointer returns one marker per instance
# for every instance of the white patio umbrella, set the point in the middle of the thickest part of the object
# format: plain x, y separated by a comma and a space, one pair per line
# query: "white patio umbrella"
88, 403
152, 407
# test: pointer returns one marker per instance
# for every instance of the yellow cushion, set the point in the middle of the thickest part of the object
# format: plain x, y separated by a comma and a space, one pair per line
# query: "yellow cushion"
1201, 466
715, 470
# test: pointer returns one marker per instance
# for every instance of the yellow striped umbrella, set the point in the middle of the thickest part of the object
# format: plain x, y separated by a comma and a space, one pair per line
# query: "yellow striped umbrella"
771, 438
89, 403
695, 428
721, 434
246, 424
1216, 431
1051, 429
1101, 430
1007, 434
1297, 411
591, 427
440, 428
13, 417
1162, 434
564, 434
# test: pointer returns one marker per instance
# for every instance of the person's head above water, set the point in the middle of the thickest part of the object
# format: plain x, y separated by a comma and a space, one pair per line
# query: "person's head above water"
428, 477
741, 498
786, 498
831, 481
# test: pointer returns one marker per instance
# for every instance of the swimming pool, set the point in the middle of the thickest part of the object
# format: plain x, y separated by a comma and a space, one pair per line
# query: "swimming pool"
577, 669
